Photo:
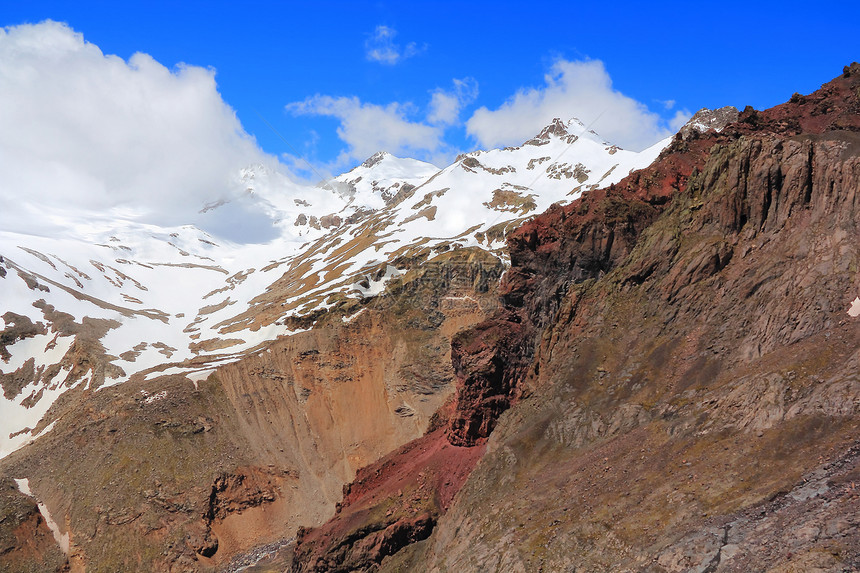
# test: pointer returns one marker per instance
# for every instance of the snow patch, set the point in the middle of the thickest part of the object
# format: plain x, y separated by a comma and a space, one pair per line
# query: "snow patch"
854, 311
463, 298
150, 398
17, 417
349, 319
61, 538
376, 287
196, 377
42, 347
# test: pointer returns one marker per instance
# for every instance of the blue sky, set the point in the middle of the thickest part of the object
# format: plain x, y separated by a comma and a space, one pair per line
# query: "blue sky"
336, 79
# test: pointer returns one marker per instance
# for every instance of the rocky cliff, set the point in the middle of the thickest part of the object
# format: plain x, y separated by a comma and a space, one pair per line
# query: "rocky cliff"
672, 383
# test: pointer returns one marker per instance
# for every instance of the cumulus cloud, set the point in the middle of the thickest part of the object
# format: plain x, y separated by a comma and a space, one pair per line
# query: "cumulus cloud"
581, 89
396, 127
381, 47
445, 105
367, 128
80, 129
678, 120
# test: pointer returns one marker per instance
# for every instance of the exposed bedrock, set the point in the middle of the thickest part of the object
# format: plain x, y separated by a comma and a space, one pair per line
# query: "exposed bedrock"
672, 382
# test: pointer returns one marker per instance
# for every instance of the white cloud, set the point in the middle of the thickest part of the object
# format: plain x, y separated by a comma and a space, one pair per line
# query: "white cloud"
367, 128
83, 130
581, 89
445, 106
381, 47
678, 120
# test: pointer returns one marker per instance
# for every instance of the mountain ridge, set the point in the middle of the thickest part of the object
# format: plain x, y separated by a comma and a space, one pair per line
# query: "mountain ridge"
232, 299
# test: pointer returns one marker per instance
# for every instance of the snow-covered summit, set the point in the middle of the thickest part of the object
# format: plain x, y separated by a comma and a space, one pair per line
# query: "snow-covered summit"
376, 182
568, 131
706, 119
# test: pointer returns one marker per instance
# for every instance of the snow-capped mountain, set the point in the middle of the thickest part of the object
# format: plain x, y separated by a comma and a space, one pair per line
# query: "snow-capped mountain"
111, 300
376, 182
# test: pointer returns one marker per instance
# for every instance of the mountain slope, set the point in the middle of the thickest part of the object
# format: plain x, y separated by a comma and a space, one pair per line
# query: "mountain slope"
177, 475
107, 301
672, 382
193, 398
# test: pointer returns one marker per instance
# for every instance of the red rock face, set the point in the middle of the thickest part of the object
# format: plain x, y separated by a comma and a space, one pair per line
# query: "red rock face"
836, 106
391, 504
26, 542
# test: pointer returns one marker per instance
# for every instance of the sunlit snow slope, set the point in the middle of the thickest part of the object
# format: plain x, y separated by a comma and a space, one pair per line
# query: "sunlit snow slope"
107, 300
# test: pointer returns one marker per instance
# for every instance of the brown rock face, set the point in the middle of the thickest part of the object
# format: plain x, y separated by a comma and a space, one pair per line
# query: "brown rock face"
672, 382
691, 402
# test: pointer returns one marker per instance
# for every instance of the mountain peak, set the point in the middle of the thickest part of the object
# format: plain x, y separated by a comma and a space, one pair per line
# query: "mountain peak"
706, 119
571, 130
556, 127
375, 159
